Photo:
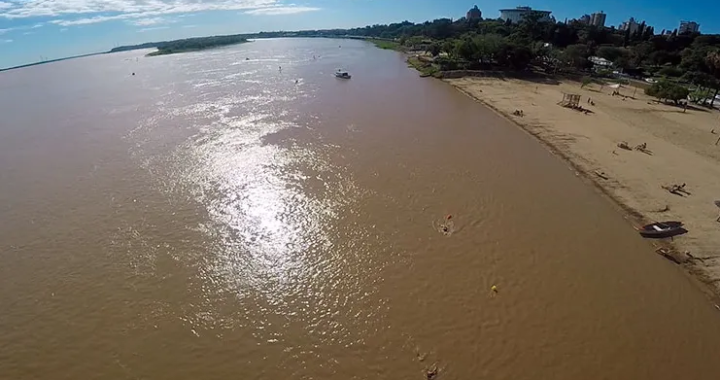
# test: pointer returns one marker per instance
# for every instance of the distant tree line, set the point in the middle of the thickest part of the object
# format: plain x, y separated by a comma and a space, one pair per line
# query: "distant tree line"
184, 45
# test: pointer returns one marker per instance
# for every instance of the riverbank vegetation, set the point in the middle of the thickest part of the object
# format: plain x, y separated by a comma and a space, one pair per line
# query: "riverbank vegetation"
186, 45
685, 60
425, 68
387, 44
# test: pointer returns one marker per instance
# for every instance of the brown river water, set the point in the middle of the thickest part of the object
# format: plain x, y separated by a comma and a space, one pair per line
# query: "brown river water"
210, 218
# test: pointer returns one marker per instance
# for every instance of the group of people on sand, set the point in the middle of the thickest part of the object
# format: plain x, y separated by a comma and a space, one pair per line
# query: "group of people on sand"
617, 93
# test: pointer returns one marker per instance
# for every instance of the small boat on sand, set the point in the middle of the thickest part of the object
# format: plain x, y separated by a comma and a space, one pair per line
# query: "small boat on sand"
342, 74
660, 230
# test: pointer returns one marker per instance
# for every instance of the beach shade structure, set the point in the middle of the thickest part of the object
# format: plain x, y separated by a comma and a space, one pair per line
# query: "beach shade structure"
717, 203
570, 100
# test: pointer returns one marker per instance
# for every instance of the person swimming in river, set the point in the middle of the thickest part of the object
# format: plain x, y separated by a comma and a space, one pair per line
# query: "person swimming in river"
446, 227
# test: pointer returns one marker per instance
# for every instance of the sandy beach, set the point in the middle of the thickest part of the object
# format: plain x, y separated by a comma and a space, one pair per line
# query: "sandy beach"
680, 150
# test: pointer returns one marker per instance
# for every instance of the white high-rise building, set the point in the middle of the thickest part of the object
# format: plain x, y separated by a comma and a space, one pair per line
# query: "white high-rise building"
630, 24
598, 19
688, 27
517, 14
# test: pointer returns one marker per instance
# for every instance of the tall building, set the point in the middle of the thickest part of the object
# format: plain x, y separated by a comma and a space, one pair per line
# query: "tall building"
630, 24
585, 19
688, 27
474, 14
516, 15
598, 19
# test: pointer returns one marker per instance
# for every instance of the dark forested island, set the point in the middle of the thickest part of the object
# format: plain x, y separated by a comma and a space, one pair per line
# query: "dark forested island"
185, 45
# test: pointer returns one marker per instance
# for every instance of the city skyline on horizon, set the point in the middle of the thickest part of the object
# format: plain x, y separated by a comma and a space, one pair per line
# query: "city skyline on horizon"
62, 28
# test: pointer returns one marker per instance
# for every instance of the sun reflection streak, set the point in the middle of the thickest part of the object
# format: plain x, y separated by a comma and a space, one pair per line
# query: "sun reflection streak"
255, 195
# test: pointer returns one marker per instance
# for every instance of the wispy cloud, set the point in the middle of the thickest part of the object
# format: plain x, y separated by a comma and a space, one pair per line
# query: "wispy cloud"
7, 30
85, 21
150, 21
28, 33
138, 8
143, 30
136, 12
275, 11
5, 41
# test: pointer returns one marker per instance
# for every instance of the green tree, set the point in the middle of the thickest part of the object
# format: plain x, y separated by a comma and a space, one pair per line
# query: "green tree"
448, 46
514, 56
541, 50
623, 63
488, 46
531, 27
670, 71
494, 27
666, 90
576, 56
467, 49
562, 35
435, 49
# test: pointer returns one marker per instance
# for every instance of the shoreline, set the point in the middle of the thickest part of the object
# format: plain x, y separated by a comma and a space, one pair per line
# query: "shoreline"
688, 255
630, 213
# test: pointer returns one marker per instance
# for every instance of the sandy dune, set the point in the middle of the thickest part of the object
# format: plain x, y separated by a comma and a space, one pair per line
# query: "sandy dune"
682, 150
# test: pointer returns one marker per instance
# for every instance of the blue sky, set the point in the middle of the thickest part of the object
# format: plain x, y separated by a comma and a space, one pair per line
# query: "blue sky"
30, 29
